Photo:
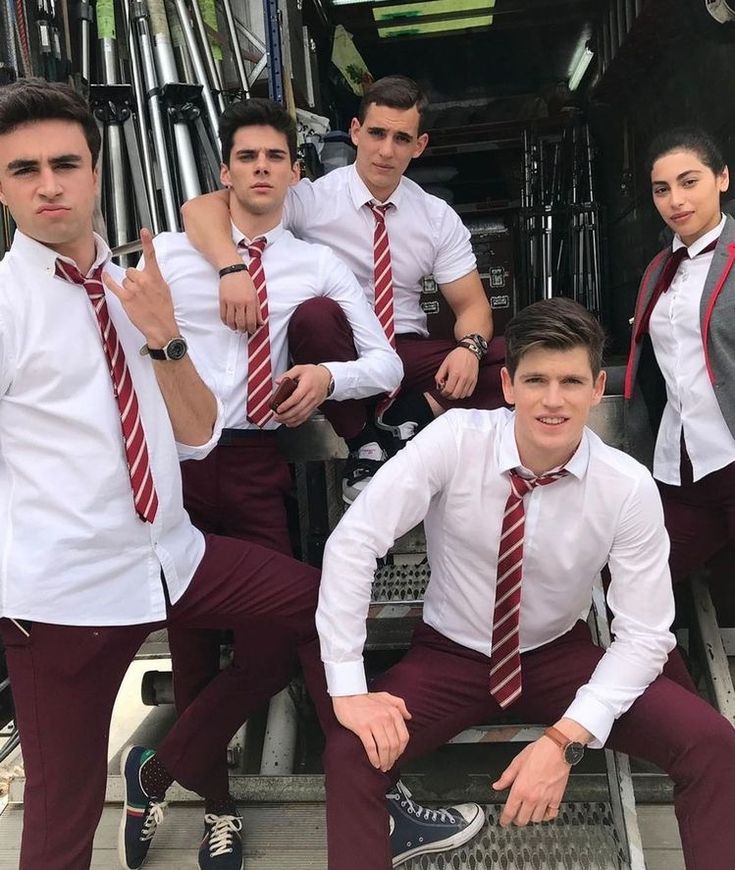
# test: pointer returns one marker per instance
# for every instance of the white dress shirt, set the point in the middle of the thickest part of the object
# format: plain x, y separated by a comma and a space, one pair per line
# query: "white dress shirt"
454, 476
426, 236
73, 550
676, 334
294, 272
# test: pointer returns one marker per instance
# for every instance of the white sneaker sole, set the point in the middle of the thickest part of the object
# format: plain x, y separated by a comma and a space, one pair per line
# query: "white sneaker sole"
453, 842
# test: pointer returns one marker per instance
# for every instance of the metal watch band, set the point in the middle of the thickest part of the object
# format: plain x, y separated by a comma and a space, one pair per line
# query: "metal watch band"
235, 267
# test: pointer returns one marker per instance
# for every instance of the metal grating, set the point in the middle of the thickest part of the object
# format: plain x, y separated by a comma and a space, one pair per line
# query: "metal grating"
583, 837
399, 584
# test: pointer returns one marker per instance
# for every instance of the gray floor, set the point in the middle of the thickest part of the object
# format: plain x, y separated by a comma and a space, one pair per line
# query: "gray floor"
292, 838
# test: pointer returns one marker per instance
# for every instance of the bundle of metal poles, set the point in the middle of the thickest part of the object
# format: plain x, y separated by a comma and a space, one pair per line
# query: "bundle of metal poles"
560, 217
158, 74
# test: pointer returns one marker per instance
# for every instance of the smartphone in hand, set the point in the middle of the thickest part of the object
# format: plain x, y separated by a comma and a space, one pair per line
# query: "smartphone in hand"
282, 392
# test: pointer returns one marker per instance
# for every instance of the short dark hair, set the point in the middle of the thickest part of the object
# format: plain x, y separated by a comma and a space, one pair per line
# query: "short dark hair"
34, 99
256, 113
553, 324
695, 139
396, 92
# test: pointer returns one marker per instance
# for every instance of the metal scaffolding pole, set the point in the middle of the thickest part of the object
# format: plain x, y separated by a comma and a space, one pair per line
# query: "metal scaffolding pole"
168, 74
116, 184
141, 21
198, 63
141, 123
236, 51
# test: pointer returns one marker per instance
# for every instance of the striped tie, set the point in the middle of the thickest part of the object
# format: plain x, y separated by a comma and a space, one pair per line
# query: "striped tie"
136, 450
505, 658
383, 273
260, 371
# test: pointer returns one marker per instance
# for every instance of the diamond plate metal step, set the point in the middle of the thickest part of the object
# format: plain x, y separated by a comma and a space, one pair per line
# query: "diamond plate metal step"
292, 837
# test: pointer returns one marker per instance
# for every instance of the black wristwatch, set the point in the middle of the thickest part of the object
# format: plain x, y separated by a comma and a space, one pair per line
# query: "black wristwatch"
475, 343
175, 350
572, 750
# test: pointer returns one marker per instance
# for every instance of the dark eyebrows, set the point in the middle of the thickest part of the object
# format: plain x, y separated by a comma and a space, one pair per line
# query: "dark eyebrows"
25, 163
681, 176
397, 132
251, 152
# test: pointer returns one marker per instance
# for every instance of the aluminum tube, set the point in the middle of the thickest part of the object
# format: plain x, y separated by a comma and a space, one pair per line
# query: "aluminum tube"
140, 123
187, 163
84, 44
162, 47
206, 50
236, 51
117, 199
196, 59
279, 743
139, 12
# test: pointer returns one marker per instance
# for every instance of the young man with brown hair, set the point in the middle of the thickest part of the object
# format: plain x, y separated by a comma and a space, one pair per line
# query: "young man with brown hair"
522, 509
392, 235
97, 550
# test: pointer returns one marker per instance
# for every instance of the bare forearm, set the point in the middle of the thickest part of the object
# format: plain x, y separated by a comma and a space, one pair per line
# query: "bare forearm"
191, 406
476, 319
207, 224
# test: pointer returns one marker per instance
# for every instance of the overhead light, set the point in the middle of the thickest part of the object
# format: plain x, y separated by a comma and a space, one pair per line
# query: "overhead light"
419, 27
430, 7
580, 67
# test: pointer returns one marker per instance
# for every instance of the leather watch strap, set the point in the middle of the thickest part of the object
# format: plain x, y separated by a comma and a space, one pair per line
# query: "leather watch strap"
561, 740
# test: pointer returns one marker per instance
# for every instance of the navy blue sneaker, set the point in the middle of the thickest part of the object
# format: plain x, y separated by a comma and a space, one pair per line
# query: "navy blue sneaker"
221, 847
141, 815
417, 830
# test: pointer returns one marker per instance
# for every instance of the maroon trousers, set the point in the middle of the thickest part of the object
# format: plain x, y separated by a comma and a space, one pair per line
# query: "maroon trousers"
65, 679
700, 517
319, 332
445, 687
237, 491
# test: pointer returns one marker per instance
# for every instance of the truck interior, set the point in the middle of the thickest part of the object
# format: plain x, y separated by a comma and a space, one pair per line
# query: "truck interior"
540, 115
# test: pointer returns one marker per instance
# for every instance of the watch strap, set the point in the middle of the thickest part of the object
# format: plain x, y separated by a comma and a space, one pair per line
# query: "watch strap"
561, 740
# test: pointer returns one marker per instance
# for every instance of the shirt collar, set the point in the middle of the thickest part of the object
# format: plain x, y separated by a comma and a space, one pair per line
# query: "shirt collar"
361, 195
702, 242
270, 237
43, 257
509, 460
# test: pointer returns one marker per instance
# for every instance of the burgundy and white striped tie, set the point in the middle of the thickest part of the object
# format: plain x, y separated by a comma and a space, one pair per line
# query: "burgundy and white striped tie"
383, 273
260, 370
136, 449
505, 657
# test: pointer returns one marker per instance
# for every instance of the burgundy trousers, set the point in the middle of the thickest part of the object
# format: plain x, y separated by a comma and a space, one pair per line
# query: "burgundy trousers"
65, 679
237, 491
445, 687
700, 517
319, 332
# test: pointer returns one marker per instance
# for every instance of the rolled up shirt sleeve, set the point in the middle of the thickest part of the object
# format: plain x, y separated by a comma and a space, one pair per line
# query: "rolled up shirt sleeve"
454, 256
396, 500
641, 599
378, 368
201, 451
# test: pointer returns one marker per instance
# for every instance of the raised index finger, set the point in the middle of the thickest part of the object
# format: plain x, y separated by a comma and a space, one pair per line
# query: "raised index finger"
149, 252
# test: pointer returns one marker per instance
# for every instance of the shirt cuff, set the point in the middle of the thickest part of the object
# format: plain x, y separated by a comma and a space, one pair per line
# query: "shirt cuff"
592, 715
340, 372
201, 451
345, 678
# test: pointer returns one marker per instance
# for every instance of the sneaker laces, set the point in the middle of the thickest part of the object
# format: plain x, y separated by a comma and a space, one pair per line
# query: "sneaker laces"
153, 818
403, 795
221, 833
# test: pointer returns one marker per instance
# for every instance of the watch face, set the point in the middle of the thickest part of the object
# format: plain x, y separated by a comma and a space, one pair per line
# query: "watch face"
176, 349
483, 344
573, 753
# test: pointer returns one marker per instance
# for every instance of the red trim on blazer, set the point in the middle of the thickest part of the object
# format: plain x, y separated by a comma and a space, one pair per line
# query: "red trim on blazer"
708, 313
636, 336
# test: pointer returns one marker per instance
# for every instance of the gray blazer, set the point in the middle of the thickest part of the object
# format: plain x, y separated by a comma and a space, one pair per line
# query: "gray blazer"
645, 391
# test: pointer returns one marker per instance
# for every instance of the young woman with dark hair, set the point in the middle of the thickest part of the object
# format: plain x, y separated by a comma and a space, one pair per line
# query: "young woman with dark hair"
680, 380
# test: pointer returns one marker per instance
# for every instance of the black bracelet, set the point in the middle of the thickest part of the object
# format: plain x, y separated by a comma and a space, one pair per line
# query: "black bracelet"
235, 267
